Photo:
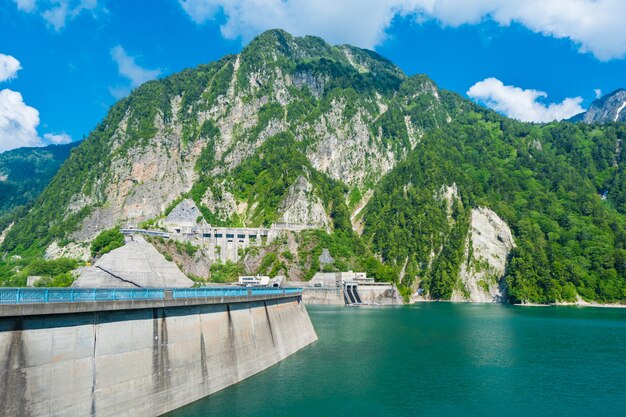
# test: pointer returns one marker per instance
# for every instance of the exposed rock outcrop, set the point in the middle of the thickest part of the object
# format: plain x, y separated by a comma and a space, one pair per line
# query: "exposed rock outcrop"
449, 193
4, 232
186, 213
487, 248
196, 263
325, 258
220, 202
346, 149
302, 206
71, 250
608, 109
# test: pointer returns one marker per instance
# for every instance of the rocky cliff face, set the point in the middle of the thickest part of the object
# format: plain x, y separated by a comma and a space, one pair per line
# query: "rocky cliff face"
608, 109
302, 206
185, 213
487, 249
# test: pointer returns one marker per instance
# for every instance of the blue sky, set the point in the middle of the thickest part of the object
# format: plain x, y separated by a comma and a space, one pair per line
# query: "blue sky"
64, 62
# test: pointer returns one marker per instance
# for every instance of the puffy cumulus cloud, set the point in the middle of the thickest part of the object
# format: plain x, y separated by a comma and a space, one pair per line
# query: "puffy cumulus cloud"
57, 13
18, 122
57, 138
9, 66
594, 25
524, 105
128, 68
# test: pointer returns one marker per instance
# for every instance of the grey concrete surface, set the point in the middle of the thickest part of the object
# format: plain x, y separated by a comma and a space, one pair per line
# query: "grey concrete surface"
141, 362
379, 294
46, 309
136, 264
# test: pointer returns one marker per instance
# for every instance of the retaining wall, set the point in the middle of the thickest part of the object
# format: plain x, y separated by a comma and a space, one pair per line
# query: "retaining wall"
142, 361
370, 294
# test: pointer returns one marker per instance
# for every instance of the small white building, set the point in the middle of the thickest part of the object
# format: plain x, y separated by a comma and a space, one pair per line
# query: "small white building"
254, 280
337, 279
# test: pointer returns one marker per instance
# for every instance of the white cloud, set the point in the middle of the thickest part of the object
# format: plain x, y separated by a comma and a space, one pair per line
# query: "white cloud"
18, 122
57, 13
26, 5
57, 138
128, 68
524, 105
9, 66
358, 22
598, 93
596, 26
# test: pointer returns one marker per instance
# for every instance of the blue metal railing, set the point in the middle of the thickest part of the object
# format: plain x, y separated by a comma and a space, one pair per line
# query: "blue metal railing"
74, 295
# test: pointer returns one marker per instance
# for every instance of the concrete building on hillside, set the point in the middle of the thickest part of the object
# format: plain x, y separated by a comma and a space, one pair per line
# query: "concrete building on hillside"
337, 279
185, 223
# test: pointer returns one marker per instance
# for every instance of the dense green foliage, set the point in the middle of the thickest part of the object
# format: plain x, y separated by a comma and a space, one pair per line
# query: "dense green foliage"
24, 173
106, 241
544, 181
53, 273
225, 272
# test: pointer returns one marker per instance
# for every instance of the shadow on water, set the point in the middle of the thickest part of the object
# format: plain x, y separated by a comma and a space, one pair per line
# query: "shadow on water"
442, 359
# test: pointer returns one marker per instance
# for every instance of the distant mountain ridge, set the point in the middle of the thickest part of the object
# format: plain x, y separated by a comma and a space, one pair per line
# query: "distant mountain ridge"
25, 172
607, 109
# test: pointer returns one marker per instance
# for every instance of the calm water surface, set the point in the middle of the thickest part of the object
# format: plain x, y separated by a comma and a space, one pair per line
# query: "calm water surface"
442, 359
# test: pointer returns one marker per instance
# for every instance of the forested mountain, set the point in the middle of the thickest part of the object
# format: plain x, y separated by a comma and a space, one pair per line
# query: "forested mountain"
408, 182
24, 173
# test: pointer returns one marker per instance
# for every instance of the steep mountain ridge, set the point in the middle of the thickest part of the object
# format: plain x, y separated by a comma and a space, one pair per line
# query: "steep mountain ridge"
175, 135
610, 108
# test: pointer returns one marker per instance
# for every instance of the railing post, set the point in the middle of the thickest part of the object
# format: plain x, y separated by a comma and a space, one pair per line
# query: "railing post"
47, 298
72, 295
17, 300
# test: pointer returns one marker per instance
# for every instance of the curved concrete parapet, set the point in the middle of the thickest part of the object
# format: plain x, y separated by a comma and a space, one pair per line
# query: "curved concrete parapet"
142, 361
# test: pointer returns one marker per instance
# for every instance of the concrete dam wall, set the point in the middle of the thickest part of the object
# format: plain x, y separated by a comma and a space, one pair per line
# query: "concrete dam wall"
140, 361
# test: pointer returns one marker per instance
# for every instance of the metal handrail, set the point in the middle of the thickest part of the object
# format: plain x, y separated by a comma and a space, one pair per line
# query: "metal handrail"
74, 295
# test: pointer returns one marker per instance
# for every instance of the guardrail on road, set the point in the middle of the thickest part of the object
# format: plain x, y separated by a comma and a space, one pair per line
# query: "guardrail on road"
74, 295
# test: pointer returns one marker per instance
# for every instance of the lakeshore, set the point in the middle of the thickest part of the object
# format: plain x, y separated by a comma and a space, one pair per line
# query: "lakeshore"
576, 304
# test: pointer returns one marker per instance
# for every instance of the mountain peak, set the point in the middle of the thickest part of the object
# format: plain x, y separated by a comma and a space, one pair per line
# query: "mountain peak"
272, 45
609, 108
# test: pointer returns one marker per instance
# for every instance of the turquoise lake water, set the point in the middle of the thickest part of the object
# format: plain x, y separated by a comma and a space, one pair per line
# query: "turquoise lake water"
442, 359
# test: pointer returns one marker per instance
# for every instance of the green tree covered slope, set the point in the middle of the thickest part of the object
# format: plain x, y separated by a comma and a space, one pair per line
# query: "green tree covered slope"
24, 173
